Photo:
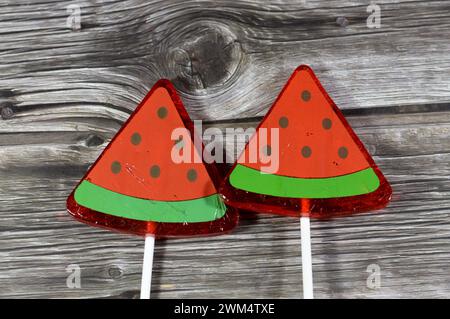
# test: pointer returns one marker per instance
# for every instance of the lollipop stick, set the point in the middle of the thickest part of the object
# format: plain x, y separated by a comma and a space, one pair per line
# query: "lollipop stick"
306, 258
147, 267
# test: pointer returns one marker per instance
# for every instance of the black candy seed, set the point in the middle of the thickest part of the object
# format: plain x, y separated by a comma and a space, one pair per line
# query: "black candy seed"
326, 123
306, 151
306, 95
343, 152
155, 171
192, 175
267, 150
116, 167
283, 122
179, 143
162, 112
136, 139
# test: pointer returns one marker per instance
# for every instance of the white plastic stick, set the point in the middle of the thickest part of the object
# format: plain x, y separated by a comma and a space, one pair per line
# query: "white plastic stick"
306, 258
147, 267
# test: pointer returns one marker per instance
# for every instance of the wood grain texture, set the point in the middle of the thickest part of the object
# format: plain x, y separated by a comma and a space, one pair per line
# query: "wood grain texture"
408, 240
228, 58
64, 94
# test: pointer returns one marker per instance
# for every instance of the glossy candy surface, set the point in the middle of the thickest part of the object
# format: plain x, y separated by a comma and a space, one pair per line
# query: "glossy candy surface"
305, 159
141, 185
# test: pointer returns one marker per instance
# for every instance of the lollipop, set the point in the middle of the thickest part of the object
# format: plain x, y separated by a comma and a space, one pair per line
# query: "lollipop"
305, 161
151, 180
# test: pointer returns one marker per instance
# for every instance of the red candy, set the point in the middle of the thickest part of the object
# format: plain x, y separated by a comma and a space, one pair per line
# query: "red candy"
305, 160
141, 185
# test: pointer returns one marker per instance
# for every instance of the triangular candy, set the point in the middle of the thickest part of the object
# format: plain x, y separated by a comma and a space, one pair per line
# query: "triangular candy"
137, 187
305, 159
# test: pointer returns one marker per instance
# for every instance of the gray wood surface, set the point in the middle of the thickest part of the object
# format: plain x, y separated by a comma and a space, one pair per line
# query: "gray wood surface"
64, 94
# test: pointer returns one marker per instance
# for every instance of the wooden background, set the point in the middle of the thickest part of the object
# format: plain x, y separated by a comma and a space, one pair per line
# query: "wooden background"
64, 93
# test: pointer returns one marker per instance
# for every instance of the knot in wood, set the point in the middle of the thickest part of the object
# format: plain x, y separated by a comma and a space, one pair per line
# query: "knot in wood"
94, 140
114, 272
6, 111
207, 57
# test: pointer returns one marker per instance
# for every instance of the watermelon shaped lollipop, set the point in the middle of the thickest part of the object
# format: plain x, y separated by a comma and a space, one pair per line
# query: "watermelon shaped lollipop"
306, 161
322, 168
150, 180
136, 187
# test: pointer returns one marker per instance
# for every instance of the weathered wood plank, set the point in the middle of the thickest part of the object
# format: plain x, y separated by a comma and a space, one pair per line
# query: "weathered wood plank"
63, 95
408, 240
229, 59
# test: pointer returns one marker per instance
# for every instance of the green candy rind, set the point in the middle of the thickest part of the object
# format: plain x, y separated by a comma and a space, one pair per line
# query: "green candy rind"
251, 180
97, 198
